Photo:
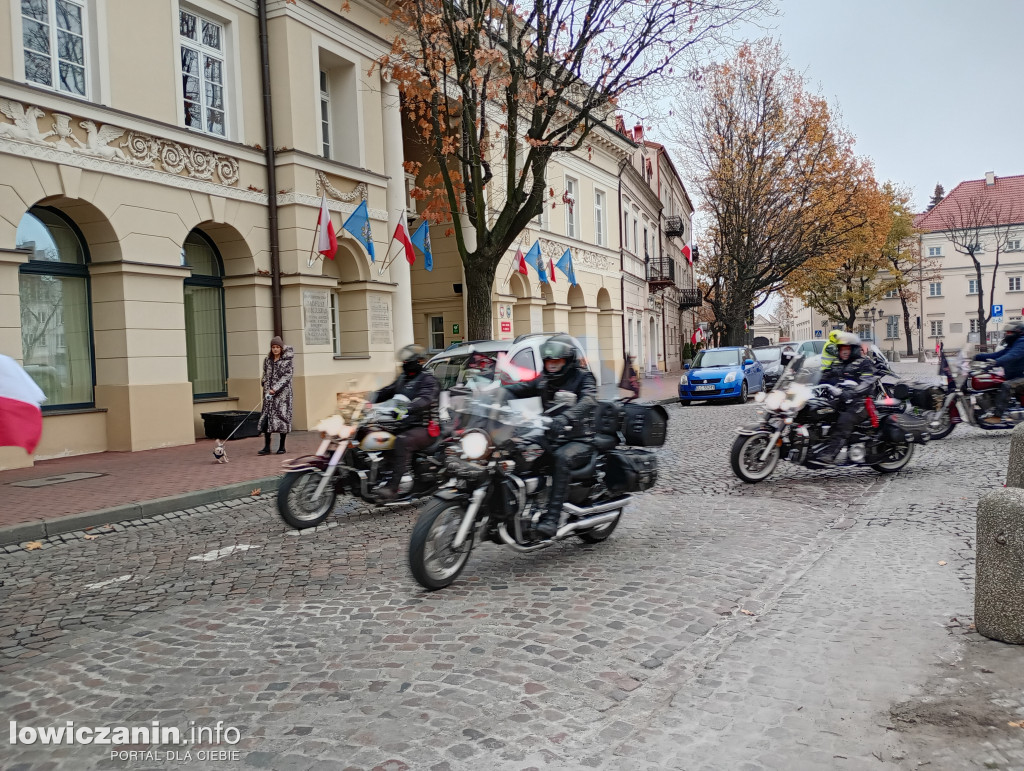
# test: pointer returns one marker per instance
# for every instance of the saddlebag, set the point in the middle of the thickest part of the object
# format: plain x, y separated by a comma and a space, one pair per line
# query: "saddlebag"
921, 395
630, 471
902, 428
608, 418
644, 425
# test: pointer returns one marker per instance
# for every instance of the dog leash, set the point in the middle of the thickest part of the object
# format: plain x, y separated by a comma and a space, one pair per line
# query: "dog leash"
242, 421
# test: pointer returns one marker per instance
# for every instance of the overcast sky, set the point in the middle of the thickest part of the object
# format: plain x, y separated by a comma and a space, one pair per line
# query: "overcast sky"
932, 89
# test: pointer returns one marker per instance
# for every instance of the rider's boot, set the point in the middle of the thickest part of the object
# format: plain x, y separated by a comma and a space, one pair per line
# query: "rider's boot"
547, 525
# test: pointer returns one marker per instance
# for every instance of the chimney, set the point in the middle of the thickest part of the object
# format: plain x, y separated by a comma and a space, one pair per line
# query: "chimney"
638, 132
990, 178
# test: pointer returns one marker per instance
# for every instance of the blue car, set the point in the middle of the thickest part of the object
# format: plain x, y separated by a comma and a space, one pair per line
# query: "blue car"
721, 373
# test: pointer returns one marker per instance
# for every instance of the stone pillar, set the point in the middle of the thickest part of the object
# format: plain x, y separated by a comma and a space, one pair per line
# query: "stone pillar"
10, 336
999, 580
394, 158
528, 315
1015, 468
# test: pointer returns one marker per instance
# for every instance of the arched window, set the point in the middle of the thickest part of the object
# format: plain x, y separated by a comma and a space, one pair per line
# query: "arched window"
205, 343
56, 324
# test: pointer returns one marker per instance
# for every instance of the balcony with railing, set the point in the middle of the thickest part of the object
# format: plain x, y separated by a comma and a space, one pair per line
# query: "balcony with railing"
661, 273
690, 298
674, 226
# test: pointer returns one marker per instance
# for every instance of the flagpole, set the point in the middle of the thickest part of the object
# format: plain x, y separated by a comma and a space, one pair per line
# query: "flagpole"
513, 266
312, 246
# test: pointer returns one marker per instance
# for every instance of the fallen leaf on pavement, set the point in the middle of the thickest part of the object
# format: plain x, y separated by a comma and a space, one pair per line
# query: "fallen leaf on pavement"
746, 612
1018, 724
257, 491
942, 562
90, 537
33, 545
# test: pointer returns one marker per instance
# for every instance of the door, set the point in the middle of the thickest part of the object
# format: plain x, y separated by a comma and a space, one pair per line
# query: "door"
755, 372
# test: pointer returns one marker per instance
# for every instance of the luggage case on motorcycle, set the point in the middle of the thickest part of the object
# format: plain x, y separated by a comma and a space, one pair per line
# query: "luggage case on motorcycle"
608, 418
630, 471
644, 425
901, 428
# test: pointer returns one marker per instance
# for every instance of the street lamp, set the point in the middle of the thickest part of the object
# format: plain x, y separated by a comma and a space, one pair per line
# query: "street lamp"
869, 315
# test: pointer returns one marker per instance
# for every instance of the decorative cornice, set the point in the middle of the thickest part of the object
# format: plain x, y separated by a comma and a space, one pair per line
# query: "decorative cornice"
581, 257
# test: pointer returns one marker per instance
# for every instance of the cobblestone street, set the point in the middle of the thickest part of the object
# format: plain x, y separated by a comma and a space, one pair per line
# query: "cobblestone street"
817, 620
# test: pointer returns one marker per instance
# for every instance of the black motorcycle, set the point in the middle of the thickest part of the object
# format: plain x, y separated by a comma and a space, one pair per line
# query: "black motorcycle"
797, 417
499, 469
350, 459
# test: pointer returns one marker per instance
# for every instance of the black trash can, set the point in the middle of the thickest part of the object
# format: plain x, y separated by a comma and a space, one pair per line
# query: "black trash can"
219, 425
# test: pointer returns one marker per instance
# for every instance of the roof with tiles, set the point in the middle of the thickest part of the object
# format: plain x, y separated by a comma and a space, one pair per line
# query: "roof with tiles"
1005, 194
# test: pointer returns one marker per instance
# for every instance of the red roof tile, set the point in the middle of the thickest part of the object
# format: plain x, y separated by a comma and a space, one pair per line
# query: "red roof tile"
1007, 193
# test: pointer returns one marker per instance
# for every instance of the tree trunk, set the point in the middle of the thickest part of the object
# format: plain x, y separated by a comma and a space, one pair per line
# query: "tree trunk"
480, 270
906, 326
982, 326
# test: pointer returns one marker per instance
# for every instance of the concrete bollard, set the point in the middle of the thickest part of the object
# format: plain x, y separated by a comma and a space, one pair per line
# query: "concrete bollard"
1015, 467
999, 576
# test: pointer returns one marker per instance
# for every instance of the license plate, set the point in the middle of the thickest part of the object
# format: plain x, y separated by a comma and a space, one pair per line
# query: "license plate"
704, 388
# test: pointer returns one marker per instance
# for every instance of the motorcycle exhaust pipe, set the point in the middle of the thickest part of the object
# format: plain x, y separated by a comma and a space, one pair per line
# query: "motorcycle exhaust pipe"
593, 516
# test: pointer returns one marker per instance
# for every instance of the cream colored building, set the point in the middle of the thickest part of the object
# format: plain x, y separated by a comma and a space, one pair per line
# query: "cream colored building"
135, 257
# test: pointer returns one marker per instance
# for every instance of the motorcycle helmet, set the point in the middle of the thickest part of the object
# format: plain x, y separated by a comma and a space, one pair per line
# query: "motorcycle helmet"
848, 340
412, 358
561, 354
1013, 330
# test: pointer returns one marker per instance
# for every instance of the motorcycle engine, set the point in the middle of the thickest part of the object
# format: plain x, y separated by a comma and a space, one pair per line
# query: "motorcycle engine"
986, 400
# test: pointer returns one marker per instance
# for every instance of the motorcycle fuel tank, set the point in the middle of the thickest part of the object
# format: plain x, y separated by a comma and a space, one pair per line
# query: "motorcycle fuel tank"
985, 381
377, 441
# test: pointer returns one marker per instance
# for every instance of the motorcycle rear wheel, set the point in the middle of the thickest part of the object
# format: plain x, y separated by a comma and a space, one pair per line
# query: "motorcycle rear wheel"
745, 457
432, 560
943, 421
905, 452
599, 533
294, 502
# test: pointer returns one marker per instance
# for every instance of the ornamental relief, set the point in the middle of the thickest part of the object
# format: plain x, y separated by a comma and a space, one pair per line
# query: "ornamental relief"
102, 141
580, 257
358, 193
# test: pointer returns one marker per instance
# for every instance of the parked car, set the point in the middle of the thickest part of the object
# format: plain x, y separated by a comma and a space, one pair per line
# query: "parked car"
770, 357
521, 359
721, 373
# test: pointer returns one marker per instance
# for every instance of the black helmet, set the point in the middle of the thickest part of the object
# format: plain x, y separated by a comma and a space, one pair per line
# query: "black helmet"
557, 348
412, 357
1013, 331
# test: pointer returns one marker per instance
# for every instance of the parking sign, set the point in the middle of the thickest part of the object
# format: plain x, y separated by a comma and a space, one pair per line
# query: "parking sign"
997, 311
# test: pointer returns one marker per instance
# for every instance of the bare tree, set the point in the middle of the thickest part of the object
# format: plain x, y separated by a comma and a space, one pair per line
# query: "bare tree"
967, 223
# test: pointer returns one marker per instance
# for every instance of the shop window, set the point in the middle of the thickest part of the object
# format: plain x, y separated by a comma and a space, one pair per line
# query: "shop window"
56, 324
205, 342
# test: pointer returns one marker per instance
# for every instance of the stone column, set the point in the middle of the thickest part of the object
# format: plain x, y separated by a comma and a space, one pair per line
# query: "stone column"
394, 157
10, 335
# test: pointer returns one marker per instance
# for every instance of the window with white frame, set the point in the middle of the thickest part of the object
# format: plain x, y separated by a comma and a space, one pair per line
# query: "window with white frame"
1013, 245
891, 294
934, 251
336, 323
572, 211
937, 328
625, 225
972, 286
935, 289
892, 327
647, 251
599, 236
203, 73
1014, 283
325, 115
53, 42
636, 231
437, 333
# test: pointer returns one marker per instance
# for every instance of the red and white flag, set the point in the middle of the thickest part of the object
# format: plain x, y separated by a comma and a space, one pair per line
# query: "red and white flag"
521, 262
327, 244
687, 254
21, 420
697, 336
551, 264
403, 238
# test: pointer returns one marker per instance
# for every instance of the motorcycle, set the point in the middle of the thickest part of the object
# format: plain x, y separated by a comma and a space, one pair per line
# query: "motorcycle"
797, 417
499, 468
350, 459
966, 400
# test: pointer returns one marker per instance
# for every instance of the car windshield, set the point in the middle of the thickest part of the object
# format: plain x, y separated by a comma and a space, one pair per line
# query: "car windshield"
720, 358
768, 355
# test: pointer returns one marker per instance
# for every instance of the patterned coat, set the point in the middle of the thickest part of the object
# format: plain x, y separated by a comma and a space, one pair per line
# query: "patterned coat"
277, 376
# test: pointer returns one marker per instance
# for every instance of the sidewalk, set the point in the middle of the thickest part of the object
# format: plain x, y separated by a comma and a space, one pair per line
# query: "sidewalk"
111, 487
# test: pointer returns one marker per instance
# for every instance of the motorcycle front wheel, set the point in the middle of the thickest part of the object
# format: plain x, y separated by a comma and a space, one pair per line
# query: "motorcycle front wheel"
434, 562
899, 455
746, 457
942, 422
295, 501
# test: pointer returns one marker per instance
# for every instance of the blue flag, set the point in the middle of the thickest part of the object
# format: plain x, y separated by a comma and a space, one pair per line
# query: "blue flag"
358, 224
421, 238
565, 265
533, 258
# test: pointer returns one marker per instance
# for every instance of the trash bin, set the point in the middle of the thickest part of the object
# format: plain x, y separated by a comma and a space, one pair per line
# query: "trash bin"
219, 425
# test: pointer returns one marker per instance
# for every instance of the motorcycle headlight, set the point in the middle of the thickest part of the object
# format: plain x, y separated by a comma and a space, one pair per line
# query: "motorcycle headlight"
475, 445
730, 378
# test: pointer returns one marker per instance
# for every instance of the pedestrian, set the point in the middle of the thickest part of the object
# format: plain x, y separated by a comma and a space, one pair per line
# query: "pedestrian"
278, 368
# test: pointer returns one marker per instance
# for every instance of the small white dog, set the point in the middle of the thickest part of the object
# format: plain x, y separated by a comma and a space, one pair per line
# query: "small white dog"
220, 452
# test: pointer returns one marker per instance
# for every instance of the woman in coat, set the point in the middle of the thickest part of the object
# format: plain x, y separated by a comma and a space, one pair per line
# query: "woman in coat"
278, 368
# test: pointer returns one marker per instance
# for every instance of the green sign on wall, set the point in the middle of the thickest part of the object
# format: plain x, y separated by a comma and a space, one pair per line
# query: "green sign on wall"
455, 329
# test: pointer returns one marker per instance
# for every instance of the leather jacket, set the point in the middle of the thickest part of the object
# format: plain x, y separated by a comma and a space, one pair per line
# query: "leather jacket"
422, 391
578, 381
856, 368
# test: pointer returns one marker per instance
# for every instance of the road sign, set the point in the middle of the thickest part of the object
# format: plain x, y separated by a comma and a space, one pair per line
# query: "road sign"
817, 333
997, 311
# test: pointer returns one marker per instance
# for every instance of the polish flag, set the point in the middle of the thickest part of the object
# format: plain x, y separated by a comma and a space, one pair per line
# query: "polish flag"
521, 262
21, 420
687, 254
402, 236
327, 244
551, 264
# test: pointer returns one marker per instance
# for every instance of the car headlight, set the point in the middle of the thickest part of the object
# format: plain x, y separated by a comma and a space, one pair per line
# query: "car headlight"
730, 378
475, 445
683, 380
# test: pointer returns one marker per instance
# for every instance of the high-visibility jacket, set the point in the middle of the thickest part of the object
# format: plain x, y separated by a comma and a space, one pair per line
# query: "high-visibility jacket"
831, 352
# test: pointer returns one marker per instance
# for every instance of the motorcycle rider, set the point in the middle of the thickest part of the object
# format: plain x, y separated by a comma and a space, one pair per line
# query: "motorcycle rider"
562, 372
850, 364
423, 390
831, 351
1011, 359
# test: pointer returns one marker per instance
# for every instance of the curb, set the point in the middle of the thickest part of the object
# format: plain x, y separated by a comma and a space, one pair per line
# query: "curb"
45, 528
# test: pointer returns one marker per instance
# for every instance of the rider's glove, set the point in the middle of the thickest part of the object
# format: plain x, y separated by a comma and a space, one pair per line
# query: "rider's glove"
558, 425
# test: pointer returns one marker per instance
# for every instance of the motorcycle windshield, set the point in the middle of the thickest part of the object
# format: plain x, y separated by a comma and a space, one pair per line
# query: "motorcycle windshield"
489, 410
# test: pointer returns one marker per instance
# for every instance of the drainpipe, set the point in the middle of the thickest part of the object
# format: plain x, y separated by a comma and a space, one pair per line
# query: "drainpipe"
271, 160
622, 277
